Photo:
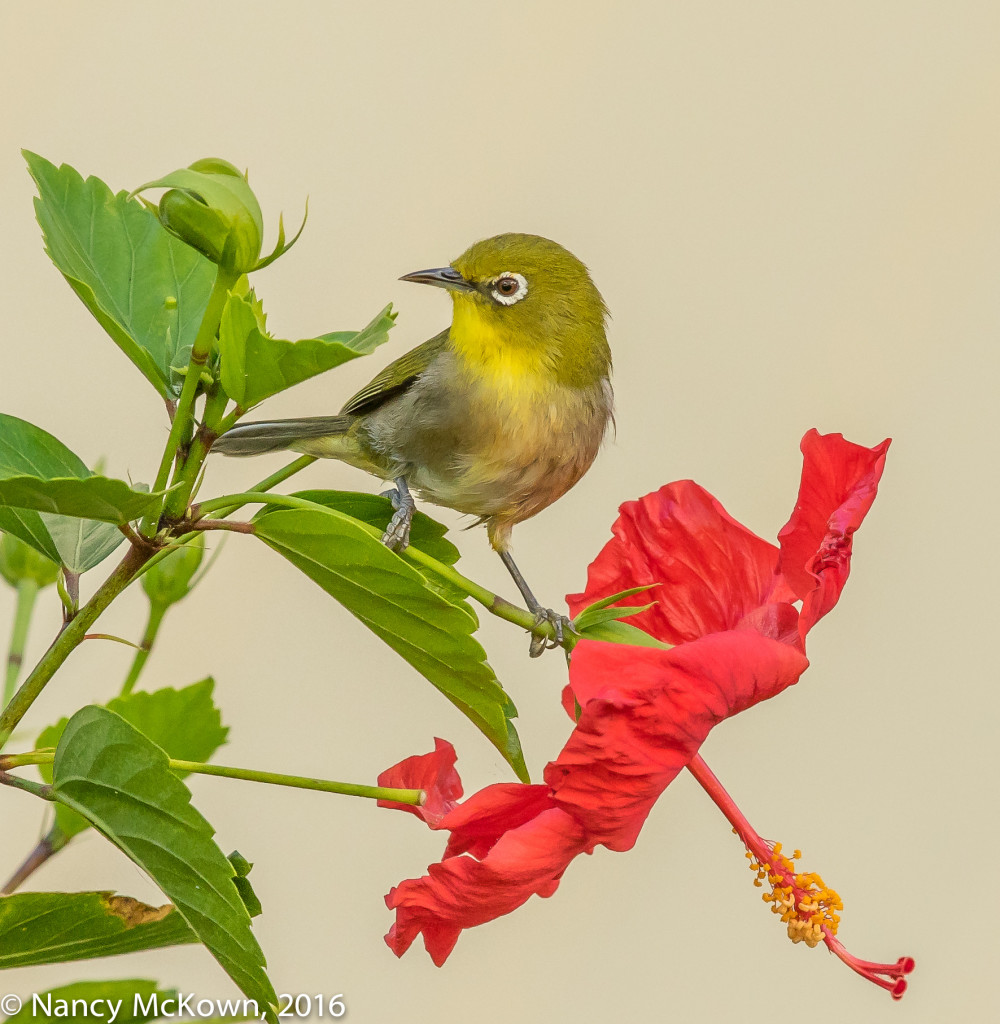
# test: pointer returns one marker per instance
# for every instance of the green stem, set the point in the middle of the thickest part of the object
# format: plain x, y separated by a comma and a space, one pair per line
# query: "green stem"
399, 796
230, 421
183, 415
69, 638
8, 761
493, 603
156, 613
265, 485
27, 591
215, 406
35, 788
47, 847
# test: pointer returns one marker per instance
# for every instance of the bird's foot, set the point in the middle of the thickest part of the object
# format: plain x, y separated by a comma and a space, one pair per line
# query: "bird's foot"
560, 624
397, 534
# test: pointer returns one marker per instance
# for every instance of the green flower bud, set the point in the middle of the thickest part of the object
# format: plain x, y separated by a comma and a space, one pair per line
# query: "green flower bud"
169, 581
20, 561
211, 206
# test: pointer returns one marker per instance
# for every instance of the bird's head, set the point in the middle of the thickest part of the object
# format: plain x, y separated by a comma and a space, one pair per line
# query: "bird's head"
525, 301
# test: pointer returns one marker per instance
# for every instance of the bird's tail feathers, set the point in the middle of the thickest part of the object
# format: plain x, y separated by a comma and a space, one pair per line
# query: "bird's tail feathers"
278, 435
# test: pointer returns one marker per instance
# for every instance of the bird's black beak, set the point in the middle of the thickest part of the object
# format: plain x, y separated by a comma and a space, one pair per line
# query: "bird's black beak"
442, 277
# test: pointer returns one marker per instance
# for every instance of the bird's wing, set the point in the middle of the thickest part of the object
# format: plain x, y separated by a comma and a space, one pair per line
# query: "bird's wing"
396, 377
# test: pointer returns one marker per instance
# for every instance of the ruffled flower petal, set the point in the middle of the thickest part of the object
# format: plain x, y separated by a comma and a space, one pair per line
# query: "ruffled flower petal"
477, 824
839, 484
711, 570
636, 733
435, 774
461, 892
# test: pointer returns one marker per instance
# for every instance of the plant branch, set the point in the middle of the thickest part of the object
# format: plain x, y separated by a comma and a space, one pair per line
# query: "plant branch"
265, 485
48, 846
215, 406
399, 796
180, 425
35, 788
222, 524
27, 591
69, 637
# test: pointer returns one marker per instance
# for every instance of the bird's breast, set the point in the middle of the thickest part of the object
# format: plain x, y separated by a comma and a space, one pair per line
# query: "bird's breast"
496, 445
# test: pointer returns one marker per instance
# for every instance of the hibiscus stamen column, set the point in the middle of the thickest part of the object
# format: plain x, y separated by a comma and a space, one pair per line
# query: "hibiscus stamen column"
805, 904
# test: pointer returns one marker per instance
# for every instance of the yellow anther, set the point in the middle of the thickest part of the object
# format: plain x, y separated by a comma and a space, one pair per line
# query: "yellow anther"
801, 899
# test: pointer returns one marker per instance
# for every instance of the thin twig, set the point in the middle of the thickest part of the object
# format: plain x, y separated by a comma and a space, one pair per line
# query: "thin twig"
223, 524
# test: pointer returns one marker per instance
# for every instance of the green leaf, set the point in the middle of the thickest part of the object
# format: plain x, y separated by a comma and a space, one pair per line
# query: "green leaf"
82, 543
426, 534
598, 620
605, 602
394, 601
256, 366
593, 616
147, 289
185, 723
620, 633
121, 782
94, 497
57, 927
46, 490
119, 995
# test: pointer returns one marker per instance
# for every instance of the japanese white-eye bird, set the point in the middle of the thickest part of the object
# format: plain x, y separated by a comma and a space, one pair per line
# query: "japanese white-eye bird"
497, 417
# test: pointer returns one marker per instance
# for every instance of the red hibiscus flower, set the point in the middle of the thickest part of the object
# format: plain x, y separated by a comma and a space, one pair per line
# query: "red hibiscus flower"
728, 602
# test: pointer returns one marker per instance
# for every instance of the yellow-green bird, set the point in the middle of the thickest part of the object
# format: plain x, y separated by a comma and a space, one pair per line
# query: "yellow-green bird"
497, 417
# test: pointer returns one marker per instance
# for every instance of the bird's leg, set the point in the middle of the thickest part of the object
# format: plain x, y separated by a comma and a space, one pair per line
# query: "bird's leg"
560, 623
397, 534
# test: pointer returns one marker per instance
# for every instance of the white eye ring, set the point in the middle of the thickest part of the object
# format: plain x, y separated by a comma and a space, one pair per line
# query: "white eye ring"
509, 300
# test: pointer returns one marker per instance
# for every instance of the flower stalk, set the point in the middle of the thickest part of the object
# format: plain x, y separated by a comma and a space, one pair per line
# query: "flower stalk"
156, 614
805, 904
411, 797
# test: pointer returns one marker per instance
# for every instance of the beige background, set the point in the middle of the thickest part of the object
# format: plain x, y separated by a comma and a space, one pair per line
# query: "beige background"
793, 210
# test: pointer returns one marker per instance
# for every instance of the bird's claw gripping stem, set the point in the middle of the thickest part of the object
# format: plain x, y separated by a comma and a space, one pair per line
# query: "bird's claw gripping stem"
560, 623
397, 534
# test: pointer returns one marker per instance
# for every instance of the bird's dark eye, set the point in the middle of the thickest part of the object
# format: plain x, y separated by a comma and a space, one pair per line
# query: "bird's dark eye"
508, 288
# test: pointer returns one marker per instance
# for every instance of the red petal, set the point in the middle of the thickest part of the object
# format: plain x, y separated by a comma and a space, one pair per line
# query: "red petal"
462, 892
435, 774
712, 570
839, 484
477, 824
645, 714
